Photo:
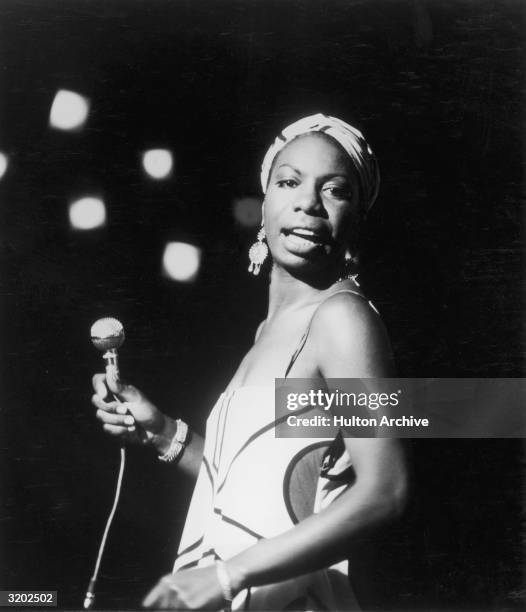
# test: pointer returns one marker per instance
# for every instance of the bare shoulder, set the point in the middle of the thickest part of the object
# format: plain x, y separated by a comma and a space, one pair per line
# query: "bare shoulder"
350, 339
346, 314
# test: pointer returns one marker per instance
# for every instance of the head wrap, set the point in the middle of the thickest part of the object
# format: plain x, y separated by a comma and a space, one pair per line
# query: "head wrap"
348, 137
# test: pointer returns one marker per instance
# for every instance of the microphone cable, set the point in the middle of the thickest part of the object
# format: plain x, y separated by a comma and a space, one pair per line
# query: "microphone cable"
89, 598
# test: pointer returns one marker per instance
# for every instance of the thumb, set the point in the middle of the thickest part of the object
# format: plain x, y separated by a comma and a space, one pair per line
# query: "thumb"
123, 391
128, 393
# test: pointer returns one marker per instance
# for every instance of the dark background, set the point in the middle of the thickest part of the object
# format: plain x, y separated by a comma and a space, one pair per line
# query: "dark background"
438, 88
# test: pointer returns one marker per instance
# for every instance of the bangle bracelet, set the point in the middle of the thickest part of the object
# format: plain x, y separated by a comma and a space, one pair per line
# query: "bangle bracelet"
226, 585
178, 443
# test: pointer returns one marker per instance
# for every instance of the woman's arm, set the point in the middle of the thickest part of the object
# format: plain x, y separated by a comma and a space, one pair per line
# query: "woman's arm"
135, 419
349, 341
324, 538
316, 542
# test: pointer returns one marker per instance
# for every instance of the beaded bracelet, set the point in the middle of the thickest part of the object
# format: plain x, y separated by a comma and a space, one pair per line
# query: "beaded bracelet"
178, 443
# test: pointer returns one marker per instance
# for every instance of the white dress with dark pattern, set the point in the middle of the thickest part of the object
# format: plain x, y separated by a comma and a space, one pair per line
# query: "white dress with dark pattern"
252, 485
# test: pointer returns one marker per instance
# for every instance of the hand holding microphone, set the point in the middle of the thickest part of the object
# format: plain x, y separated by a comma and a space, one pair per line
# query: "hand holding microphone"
128, 415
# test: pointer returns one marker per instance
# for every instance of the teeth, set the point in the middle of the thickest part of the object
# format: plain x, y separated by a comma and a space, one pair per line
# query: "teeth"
303, 232
305, 239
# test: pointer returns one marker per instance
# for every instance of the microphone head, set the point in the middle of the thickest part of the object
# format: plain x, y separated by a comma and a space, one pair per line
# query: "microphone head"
107, 334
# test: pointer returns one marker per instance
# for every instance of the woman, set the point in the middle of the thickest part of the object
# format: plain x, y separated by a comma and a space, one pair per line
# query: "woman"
266, 527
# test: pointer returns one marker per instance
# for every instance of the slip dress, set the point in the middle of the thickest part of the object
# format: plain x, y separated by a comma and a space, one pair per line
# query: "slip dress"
252, 485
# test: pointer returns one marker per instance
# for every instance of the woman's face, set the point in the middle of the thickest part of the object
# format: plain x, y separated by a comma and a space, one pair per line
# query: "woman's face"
311, 207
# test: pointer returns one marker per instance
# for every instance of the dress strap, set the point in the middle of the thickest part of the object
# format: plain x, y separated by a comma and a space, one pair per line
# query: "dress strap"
303, 339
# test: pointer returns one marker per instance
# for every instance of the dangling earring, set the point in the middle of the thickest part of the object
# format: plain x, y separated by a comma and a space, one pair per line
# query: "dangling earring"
349, 263
258, 252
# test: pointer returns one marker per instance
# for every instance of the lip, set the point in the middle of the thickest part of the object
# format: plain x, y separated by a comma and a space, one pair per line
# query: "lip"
305, 241
315, 235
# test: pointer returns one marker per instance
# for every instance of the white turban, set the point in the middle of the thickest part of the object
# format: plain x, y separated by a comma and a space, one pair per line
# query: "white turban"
348, 137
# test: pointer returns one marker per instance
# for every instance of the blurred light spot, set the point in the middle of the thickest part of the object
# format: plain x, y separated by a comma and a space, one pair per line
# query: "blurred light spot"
3, 164
69, 110
87, 214
157, 163
247, 211
181, 261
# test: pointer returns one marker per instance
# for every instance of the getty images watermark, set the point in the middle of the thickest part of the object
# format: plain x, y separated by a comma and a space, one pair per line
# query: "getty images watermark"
401, 407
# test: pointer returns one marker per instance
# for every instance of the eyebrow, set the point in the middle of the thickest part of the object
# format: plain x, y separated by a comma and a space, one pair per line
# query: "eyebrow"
325, 176
288, 166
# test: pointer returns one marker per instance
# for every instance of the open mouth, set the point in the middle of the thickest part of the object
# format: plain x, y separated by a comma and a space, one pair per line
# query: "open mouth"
306, 242
316, 238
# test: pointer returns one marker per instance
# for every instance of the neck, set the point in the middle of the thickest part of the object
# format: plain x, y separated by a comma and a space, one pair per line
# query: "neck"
288, 292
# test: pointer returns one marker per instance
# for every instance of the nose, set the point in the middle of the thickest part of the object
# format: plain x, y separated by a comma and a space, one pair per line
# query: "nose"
308, 200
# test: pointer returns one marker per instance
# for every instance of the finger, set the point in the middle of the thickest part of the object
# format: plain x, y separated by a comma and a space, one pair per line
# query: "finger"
99, 385
115, 430
114, 383
108, 406
129, 393
173, 602
134, 408
153, 596
169, 598
115, 419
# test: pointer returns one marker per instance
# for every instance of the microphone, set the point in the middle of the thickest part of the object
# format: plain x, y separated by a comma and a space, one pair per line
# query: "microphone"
107, 335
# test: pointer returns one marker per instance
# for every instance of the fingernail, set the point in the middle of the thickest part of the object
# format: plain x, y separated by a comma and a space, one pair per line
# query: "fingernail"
131, 428
121, 409
129, 420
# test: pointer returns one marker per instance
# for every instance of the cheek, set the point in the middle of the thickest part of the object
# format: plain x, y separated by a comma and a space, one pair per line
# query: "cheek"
272, 210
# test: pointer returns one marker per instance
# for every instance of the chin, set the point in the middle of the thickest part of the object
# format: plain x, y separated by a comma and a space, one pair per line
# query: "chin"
320, 269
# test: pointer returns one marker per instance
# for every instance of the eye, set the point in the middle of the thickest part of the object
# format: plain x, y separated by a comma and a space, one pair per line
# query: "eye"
339, 192
287, 183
